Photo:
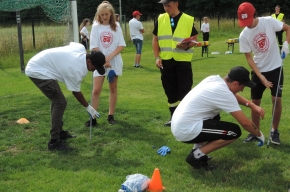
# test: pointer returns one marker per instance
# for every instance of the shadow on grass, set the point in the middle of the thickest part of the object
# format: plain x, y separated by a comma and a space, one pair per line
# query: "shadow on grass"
266, 176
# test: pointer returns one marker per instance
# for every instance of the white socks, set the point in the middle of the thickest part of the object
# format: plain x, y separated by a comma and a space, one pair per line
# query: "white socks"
197, 145
198, 153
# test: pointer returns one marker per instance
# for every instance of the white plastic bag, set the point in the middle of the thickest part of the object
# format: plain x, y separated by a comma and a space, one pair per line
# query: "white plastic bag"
135, 183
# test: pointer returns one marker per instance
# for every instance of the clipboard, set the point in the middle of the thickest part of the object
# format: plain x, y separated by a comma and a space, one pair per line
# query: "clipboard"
189, 39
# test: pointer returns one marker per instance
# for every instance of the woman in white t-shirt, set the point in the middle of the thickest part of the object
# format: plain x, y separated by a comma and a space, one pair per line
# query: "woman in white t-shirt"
85, 33
107, 37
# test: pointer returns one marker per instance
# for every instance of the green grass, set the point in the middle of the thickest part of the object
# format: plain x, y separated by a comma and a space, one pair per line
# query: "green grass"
102, 163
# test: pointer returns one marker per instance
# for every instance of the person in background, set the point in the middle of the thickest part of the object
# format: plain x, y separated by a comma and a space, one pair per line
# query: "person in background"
136, 30
205, 29
68, 64
173, 58
107, 37
117, 17
197, 117
258, 38
280, 17
85, 33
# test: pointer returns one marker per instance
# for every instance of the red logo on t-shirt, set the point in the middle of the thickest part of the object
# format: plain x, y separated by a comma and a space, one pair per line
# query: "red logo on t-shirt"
106, 39
261, 42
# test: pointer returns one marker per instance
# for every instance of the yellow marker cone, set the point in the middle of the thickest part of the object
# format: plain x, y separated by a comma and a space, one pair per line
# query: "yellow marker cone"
22, 121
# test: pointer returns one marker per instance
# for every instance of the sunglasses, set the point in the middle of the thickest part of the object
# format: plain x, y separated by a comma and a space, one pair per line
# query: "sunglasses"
172, 22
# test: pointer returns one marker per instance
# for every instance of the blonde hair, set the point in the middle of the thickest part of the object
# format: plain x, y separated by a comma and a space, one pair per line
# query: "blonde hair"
85, 21
108, 6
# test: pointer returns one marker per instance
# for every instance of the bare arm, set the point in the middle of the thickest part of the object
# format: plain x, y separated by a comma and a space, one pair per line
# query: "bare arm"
286, 28
187, 45
255, 108
96, 49
246, 123
254, 67
118, 50
142, 31
80, 97
156, 51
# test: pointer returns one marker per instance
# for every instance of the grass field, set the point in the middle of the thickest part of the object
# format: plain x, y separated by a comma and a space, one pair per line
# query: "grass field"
102, 163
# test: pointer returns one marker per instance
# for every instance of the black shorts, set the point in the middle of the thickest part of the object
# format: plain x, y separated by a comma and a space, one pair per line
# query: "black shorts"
272, 76
214, 130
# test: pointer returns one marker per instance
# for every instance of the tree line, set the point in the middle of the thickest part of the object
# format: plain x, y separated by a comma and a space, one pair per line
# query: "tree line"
150, 9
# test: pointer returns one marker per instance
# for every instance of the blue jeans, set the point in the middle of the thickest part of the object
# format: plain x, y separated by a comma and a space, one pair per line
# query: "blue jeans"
138, 44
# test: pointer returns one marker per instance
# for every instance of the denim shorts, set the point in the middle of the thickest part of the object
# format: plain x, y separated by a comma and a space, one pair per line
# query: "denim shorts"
138, 44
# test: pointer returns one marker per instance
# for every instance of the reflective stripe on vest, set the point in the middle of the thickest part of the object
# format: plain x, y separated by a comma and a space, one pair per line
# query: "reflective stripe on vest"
167, 42
280, 16
174, 104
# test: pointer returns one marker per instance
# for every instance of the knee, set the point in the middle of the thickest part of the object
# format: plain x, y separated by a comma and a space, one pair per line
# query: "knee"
113, 89
236, 131
61, 103
96, 92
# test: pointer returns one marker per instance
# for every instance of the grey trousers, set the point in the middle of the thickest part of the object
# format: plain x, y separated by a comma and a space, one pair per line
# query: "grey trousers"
50, 88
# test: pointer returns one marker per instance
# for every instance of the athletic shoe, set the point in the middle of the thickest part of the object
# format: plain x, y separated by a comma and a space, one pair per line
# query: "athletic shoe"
64, 135
111, 119
198, 163
168, 124
59, 145
94, 123
275, 137
138, 66
250, 138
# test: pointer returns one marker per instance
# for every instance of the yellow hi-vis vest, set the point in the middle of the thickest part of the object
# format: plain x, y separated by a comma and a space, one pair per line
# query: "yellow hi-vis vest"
167, 42
280, 16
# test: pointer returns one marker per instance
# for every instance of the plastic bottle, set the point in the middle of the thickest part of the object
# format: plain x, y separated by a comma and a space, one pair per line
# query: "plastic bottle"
228, 52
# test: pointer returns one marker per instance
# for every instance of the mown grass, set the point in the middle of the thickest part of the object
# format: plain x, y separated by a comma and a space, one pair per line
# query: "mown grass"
102, 163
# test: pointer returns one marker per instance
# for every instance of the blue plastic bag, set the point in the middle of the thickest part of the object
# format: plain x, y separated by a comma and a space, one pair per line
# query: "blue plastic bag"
135, 183
111, 76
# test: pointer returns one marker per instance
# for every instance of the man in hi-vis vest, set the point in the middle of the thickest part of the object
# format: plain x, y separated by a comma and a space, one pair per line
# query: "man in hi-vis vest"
173, 58
279, 16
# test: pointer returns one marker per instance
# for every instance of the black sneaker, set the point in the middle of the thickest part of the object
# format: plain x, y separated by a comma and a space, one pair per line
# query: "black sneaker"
59, 145
275, 137
168, 124
111, 119
94, 123
64, 135
250, 138
198, 163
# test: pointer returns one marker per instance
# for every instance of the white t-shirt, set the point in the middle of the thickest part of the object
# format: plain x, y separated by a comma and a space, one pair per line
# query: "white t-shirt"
205, 27
65, 64
106, 40
261, 40
85, 31
135, 27
204, 101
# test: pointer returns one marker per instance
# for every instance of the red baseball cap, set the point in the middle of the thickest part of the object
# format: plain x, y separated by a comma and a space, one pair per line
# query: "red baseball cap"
246, 13
135, 13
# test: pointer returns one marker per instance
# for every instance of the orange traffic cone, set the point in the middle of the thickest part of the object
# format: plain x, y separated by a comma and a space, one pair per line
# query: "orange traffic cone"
155, 184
